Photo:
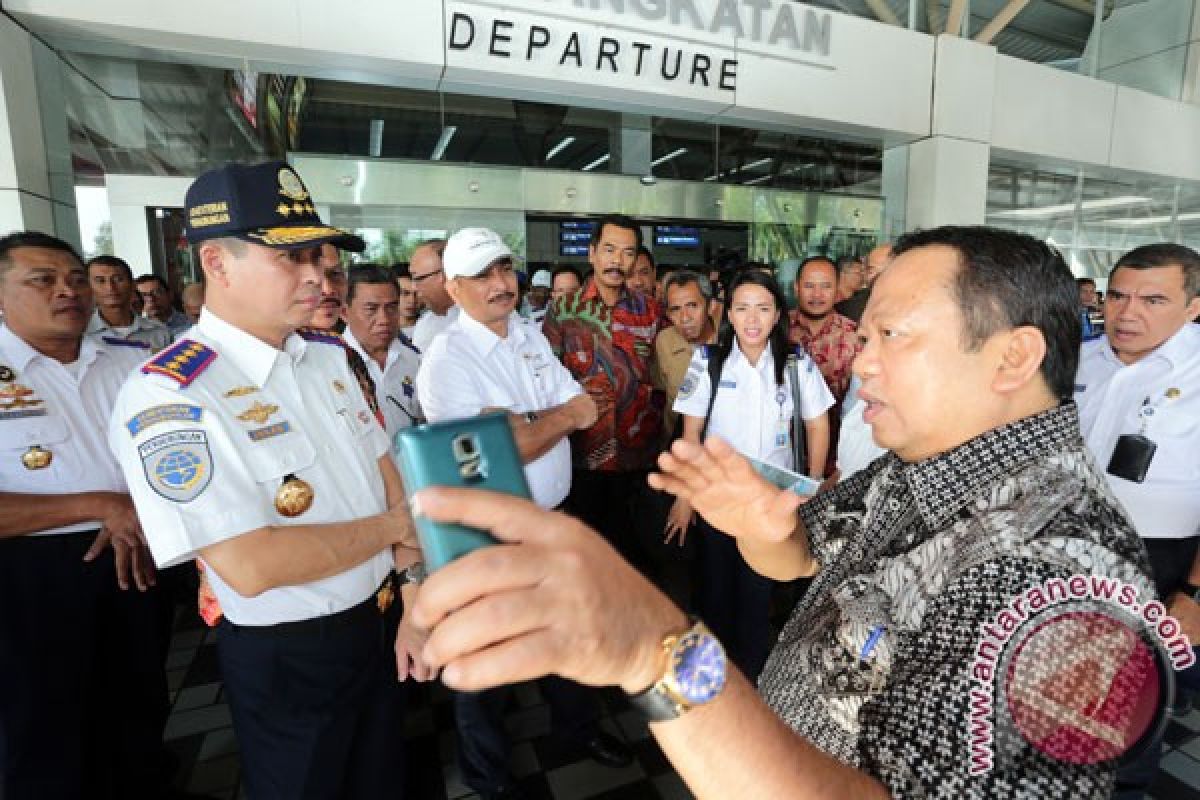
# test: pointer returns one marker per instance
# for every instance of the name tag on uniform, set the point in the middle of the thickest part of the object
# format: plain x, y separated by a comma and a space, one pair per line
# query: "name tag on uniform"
727, 385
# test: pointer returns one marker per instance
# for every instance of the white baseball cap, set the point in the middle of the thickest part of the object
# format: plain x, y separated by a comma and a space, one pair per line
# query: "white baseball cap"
542, 278
471, 250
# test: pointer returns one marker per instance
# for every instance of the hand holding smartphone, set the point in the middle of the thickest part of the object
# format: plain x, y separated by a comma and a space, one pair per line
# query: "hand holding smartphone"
473, 453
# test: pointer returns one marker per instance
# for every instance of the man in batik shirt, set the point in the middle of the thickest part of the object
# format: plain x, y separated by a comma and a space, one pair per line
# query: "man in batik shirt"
604, 334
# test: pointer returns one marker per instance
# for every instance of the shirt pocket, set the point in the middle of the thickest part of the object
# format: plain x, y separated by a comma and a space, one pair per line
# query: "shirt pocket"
49, 432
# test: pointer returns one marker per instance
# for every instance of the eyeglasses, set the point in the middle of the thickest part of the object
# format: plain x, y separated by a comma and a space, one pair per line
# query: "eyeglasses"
419, 278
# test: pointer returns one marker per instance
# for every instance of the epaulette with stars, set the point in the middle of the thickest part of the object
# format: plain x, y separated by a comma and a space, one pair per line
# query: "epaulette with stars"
320, 335
182, 361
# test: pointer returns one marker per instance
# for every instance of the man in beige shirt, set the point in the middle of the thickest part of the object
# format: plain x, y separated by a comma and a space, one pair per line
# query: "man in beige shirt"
689, 306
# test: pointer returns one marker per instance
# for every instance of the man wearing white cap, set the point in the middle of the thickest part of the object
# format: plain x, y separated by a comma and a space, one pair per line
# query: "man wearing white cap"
539, 297
487, 360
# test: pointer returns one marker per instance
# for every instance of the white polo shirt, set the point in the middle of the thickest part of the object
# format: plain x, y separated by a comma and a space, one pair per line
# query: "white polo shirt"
468, 368
63, 409
395, 383
752, 412
146, 330
206, 452
1162, 390
430, 325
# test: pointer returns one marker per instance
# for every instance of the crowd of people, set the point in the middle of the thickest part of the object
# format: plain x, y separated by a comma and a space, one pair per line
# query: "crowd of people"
948, 443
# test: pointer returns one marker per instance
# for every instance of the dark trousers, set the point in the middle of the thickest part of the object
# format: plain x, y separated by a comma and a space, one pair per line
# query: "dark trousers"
483, 744
733, 600
313, 709
83, 692
613, 504
1170, 563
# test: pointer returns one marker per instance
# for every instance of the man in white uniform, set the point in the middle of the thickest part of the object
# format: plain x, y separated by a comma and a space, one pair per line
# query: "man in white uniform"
430, 280
250, 446
488, 360
83, 693
111, 280
373, 331
1138, 392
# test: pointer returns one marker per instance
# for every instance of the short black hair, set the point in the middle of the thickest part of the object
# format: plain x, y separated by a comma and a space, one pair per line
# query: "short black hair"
645, 251
152, 277
617, 221
846, 262
1081, 282
110, 261
369, 275
12, 241
837, 271
565, 268
1165, 254
401, 270
1007, 280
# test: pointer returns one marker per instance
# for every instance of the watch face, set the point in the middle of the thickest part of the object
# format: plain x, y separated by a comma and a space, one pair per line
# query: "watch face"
699, 668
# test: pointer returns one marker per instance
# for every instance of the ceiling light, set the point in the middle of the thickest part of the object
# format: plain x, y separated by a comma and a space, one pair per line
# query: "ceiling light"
443, 141
601, 160
668, 157
1067, 208
558, 148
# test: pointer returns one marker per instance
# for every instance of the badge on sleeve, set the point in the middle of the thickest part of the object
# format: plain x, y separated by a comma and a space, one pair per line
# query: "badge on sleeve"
178, 465
688, 387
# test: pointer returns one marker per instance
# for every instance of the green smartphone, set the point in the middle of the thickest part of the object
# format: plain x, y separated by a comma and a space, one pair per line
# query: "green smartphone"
473, 453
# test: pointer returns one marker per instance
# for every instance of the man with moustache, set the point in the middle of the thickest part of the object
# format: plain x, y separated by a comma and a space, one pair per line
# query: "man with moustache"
159, 304
604, 335
486, 360
564, 280
249, 445
83, 691
430, 280
880, 676
830, 339
111, 280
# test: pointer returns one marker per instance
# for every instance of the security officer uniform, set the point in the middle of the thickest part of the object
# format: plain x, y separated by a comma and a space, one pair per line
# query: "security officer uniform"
83, 694
395, 382
223, 434
753, 414
1157, 397
145, 330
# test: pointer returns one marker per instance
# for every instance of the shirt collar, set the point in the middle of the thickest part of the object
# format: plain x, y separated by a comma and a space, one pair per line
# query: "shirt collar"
590, 291
393, 349
944, 484
253, 357
1182, 346
22, 353
98, 324
484, 340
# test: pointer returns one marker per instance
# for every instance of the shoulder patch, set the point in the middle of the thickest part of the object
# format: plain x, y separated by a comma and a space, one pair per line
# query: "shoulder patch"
119, 342
178, 466
407, 342
319, 335
182, 361
164, 413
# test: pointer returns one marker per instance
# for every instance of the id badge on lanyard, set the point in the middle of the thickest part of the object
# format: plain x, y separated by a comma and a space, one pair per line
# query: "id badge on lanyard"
783, 424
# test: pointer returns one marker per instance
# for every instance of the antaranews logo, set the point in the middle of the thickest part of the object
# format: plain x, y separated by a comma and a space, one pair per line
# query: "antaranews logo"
1076, 667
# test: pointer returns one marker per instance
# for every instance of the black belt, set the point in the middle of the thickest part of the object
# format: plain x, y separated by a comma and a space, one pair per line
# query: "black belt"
364, 612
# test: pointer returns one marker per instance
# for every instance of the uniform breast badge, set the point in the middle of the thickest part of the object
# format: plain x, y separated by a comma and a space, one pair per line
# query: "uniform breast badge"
6, 374
258, 413
37, 457
294, 497
240, 391
339, 387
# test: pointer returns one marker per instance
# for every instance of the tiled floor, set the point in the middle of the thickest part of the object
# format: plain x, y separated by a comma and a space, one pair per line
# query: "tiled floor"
200, 733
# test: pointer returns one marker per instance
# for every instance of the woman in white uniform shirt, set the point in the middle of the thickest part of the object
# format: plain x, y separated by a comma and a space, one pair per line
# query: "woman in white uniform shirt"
753, 411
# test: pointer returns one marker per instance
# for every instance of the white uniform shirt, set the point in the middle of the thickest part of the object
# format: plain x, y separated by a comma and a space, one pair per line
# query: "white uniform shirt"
752, 412
430, 325
395, 384
1116, 399
66, 412
205, 460
468, 368
146, 330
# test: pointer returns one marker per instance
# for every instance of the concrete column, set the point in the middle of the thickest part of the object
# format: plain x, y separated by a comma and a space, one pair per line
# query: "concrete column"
36, 179
942, 179
631, 146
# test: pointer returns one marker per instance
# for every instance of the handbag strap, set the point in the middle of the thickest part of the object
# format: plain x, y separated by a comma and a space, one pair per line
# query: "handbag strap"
716, 362
799, 449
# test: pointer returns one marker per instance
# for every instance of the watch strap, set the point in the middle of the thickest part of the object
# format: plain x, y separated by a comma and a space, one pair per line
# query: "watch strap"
656, 704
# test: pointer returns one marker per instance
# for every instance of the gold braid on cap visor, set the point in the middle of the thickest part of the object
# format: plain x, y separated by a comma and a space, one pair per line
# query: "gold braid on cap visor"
294, 235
